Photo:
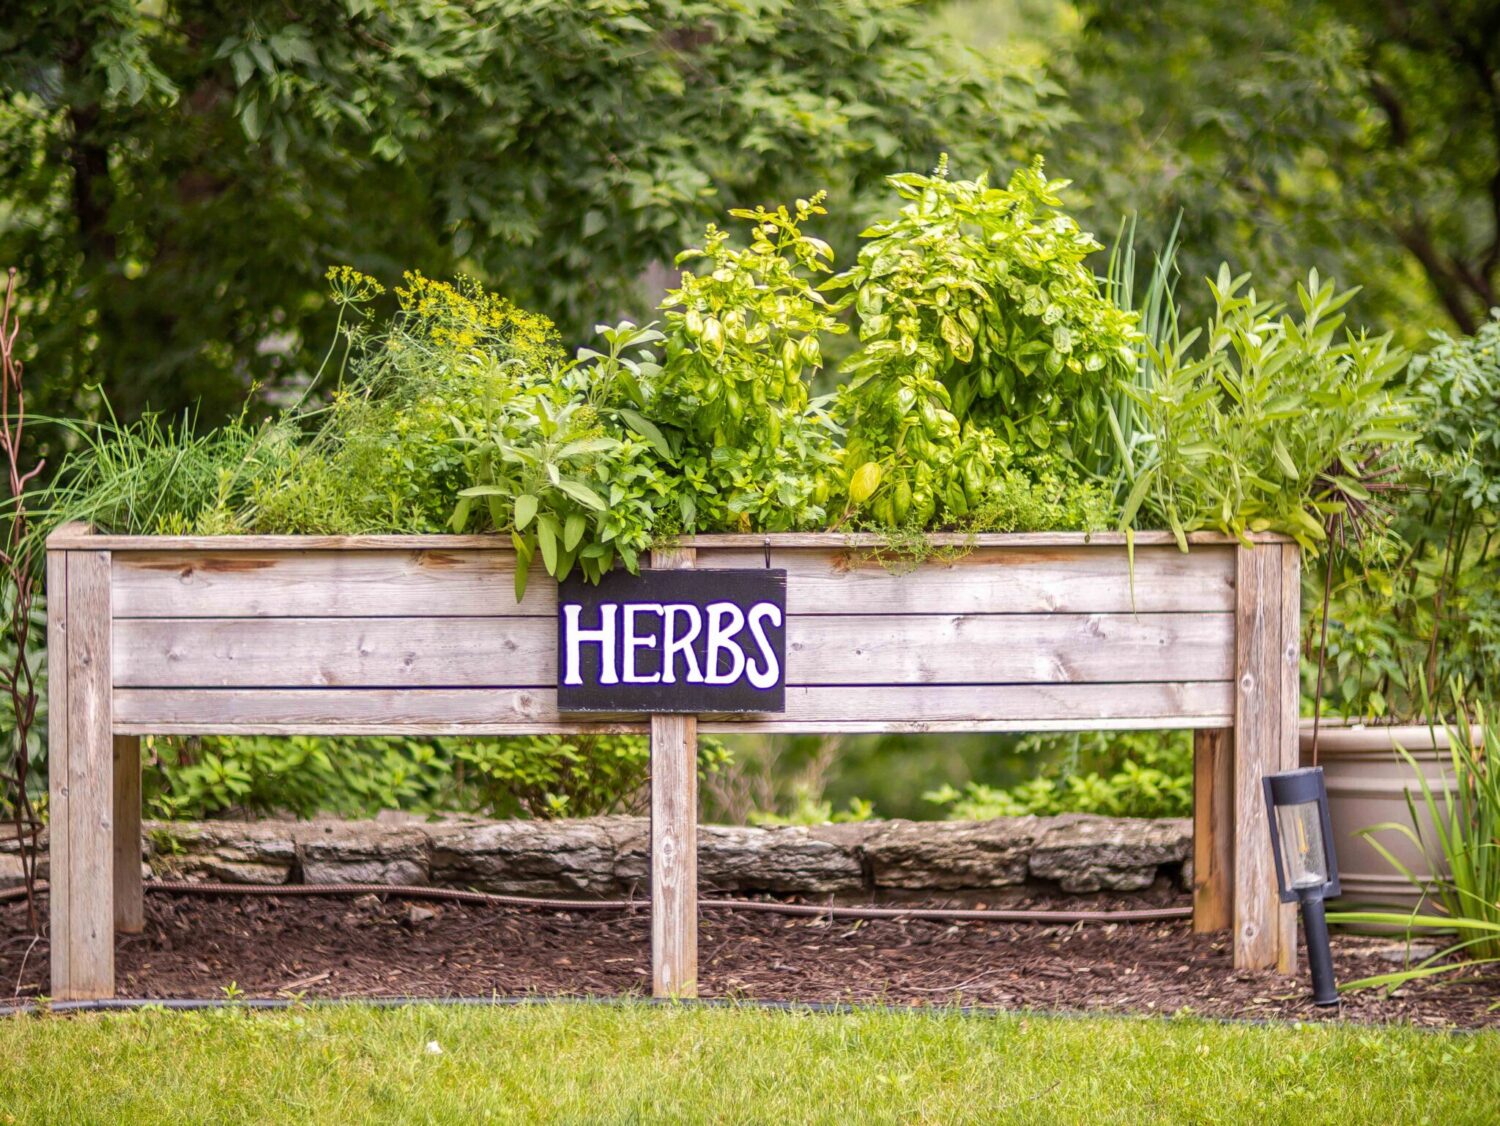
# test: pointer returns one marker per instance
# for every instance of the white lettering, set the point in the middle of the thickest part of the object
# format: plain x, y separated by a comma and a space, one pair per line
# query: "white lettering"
672, 643
575, 638
721, 640
766, 675
634, 641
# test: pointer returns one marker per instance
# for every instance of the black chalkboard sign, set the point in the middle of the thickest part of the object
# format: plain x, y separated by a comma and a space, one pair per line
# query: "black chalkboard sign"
673, 641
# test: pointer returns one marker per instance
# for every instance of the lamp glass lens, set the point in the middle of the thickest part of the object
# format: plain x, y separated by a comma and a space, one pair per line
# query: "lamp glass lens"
1303, 856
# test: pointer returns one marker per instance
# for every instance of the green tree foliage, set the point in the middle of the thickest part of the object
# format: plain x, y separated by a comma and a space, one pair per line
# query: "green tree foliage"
1362, 134
178, 173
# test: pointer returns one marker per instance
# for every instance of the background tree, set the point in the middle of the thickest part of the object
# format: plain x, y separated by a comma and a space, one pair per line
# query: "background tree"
180, 172
1361, 134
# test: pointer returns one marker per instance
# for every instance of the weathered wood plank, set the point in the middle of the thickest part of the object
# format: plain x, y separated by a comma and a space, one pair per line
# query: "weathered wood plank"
522, 652
130, 908
59, 793
475, 711
83, 947
1213, 831
73, 536
987, 580
999, 580
1289, 704
1257, 933
290, 584
674, 839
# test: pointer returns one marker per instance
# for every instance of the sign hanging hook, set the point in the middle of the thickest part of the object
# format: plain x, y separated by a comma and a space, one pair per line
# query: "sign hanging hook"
766, 544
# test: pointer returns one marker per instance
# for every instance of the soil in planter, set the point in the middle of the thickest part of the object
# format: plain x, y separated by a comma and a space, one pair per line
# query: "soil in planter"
327, 947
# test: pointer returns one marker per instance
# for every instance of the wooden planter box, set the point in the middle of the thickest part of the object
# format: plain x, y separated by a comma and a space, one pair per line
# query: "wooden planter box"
423, 635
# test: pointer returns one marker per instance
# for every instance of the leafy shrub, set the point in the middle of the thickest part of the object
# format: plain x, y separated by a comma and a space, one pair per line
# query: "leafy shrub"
542, 777
564, 775
808, 810
1425, 611
212, 776
1119, 774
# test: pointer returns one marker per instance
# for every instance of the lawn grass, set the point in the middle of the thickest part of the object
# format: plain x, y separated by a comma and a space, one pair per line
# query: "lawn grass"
630, 1063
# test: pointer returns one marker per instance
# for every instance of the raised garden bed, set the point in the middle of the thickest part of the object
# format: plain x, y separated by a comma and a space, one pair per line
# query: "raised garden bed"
403, 634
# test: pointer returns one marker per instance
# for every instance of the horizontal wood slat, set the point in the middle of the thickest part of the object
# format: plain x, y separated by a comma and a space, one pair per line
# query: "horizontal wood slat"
522, 652
479, 711
76, 536
166, 584
354, 584
998, 580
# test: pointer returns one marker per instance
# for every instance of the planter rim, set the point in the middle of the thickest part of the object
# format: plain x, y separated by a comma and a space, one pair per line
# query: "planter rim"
1347, 735
78, 536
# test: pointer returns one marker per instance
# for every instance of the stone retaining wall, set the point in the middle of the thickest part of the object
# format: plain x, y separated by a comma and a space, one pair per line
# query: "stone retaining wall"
607, 856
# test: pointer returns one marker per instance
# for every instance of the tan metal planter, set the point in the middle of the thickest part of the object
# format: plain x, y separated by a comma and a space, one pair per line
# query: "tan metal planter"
1368, 782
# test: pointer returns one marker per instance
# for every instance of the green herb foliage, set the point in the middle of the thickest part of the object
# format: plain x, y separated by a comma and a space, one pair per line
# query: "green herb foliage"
1276, 412
743, 340
984, 342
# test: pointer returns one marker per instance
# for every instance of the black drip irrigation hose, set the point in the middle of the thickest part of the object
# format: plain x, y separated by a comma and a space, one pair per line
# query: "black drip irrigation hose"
933, 914
806, 910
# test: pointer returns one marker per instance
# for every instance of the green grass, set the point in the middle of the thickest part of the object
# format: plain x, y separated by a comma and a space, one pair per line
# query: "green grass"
585, 1063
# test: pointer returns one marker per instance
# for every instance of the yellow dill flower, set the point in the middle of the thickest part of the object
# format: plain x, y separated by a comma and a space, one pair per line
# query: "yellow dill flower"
350, 287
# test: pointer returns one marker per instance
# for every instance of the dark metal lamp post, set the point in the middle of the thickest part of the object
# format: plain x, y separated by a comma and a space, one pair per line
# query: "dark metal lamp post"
1306, 870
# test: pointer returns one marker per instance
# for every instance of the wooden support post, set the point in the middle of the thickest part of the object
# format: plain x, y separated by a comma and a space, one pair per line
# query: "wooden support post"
130, 908
1213, 831
674, 838
1289, 654
81, 773
1265, 741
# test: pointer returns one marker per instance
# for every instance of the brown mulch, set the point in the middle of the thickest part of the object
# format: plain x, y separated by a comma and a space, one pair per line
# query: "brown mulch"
331, 947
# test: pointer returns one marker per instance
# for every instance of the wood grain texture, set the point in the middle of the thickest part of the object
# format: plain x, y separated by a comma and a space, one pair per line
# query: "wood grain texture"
1257, 928
84, 946
59, 792
499, 711
1213, 835
290, 584
130, 907
674, 839
1289, 703
522, 652
474, 583
998, 580
75, 536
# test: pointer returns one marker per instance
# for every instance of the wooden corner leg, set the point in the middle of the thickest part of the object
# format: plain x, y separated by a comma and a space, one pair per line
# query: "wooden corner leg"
1265, 741
81, 772
674, 856
130, 908
1213, 836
